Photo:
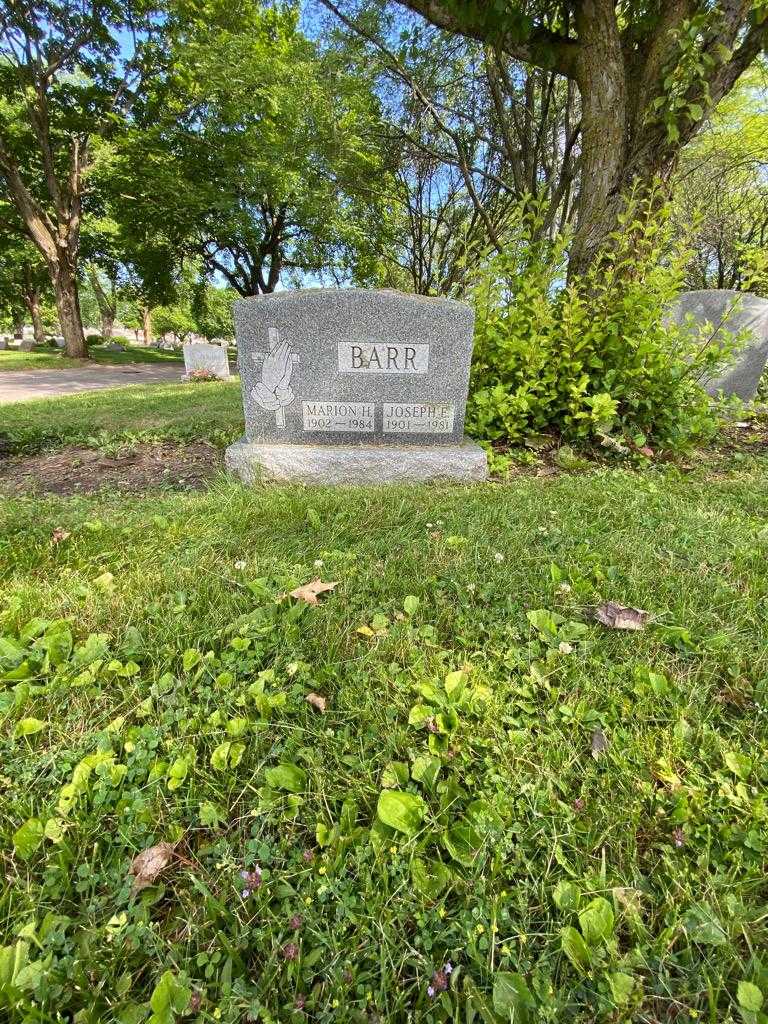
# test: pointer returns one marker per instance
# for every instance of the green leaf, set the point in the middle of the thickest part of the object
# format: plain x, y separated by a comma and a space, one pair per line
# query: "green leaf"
401, 810
227, 755
455, 684
425, 770
28, 727
57, 644
429, 877
575, 948
477, 1001
463, 842
13, 959
410, 604
395, 774
702, 926
169, 997
54, 830
566, 896
189, 659
544, 621
419, 714
28, 837
287, 776
596, 921
622, 986
739, 764
512, 997
749, 996
11, 653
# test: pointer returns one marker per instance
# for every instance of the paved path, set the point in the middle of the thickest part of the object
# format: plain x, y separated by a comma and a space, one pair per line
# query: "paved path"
20, 385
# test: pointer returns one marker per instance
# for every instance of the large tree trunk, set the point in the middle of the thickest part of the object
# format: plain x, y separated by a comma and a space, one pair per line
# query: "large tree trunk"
600, 75
68, 306
146, 319
32, 299
107, 325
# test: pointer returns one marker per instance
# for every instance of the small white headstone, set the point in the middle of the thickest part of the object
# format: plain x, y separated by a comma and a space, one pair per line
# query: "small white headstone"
211, 358
26, 345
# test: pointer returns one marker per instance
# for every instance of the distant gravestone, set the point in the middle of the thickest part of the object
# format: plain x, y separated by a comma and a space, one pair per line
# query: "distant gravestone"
60, 343
114, 346
354, 386
734, 312
26, 345
211, 358
3, 343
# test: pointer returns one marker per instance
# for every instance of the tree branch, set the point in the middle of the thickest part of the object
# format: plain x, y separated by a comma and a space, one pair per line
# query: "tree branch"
543, 48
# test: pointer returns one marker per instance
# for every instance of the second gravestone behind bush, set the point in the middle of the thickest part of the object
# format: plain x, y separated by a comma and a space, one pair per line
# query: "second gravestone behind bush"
354, 386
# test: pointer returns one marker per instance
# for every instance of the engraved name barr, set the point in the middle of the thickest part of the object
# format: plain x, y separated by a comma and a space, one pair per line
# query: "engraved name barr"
350, 366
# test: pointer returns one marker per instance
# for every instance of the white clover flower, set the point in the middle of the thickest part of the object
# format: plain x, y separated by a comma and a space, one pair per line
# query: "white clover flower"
498, 557
319, 563
240, 565
565, 588
565, 648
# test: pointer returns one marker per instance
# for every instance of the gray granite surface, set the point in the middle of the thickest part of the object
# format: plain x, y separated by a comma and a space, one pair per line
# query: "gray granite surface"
730, 311
350, 464
353, 367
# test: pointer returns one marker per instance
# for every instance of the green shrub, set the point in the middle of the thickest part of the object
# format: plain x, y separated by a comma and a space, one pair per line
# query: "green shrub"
591, 358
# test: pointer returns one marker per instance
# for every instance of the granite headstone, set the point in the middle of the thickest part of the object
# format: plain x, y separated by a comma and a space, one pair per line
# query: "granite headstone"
211, 358
26, 345
352, 385
734, 312
3, 343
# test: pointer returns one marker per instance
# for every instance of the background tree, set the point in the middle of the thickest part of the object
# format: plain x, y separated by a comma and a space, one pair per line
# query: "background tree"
257, 152
65, 83
211, 308
721, 187
647, 73
24, 283
472, 133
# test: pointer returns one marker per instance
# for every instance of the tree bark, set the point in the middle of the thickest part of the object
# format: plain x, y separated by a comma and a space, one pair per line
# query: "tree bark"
146, 320
68, 307
107, 325
600, 76
32, 299
56, 235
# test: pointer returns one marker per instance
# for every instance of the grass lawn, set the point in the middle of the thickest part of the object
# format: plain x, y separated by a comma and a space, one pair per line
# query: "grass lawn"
208, 411
49, 359
573, 818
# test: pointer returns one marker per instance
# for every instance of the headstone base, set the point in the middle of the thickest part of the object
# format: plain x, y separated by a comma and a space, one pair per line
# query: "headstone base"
368, 464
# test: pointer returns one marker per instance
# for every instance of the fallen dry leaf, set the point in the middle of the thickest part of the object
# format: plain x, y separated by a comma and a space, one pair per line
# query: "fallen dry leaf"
148, 865
617, 616
310, 590
59, 534
646, 451
599, 743
318, 703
